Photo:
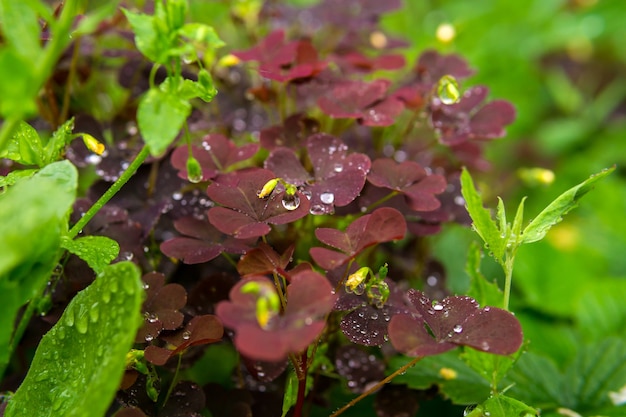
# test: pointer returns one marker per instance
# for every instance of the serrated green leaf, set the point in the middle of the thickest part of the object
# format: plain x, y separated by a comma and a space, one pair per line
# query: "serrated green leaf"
551, 215
484, 225
150, 36
201, 34
484, 292
97, 251
503, 406
61, 137
14, 177
601, 310
455, 379
160, 117
32, 219
516, 229
491, 367
584, 386
24, 146
80, 362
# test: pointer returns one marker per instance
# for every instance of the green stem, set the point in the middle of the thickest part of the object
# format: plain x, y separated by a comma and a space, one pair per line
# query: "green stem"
174, 378
509, 260
123, 179
378, 386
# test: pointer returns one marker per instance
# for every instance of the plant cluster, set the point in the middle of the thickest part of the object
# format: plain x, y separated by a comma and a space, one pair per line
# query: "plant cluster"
244, 228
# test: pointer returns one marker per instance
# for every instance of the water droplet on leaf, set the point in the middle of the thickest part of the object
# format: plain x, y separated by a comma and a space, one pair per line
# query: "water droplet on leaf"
186, 334
327, 198
458, 328
291, 202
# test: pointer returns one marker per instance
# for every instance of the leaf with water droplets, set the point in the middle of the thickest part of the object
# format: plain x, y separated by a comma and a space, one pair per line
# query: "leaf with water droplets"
454, 321
97, 251
383, 225
32, 218
78, 380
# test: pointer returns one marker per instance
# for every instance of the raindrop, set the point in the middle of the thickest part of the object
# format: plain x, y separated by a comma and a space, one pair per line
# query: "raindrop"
94, 313
206, 145
307, 194
177, 196
82, 323
458, 328
291, 202
485, 346
459, 201
93, 159
149, 337
338, 167
69, 318
432, 280
359, 289
317, 209
327, 197
438, 307
186, 334
152, 318
487, 308
374, 316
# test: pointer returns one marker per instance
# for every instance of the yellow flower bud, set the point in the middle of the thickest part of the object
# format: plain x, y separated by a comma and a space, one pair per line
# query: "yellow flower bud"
268, 188
93, 144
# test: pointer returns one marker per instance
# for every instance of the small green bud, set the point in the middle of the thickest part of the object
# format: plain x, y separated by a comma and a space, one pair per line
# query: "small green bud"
448, 90
194, 170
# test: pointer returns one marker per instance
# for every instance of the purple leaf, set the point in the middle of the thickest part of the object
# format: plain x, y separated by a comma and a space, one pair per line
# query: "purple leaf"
244, 214
456, 321
204, 243
309, 298
360, 100
337, 178
215, 155
383, 225
410, 179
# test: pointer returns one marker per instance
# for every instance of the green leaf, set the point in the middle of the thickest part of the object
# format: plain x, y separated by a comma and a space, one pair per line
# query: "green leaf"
291, 392
598, 370
24, 146
18, 96
160, 117
21, 27
32, 218
601, 309
61, 137
14, 177
80, 362
202, 35
481, 217
448, 372
555, 211
97, 251
491, 367
516, 229
90, 21
148, 38
484, 292
503, 406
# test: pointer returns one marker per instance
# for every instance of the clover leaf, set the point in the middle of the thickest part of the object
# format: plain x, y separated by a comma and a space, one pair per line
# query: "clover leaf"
383, 225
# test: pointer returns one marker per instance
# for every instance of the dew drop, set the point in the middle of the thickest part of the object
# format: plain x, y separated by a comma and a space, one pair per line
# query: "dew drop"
177, 196
307, 194
327, 198
374, 316
186, 335
152, 318
291, 202
485, 346
458, 328
487, 308
93, 159
82, 323
459, 201
149, 338
317, 209
432, 280
94, 313
69, 318
438, 307
338, 167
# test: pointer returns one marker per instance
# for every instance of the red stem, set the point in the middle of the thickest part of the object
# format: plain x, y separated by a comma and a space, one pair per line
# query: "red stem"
297, 411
